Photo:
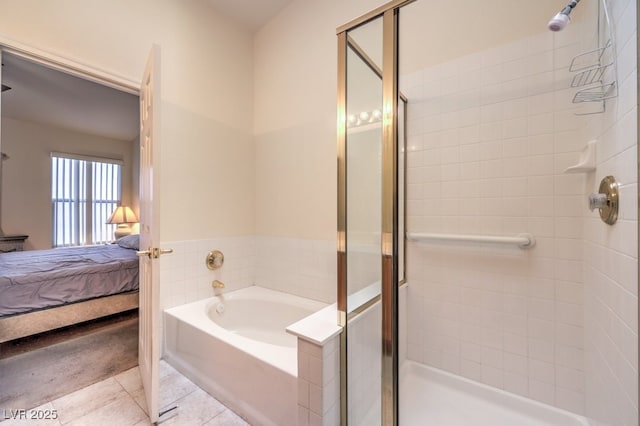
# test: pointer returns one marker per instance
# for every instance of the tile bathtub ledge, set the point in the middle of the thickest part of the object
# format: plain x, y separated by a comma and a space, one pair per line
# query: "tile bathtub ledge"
319, 327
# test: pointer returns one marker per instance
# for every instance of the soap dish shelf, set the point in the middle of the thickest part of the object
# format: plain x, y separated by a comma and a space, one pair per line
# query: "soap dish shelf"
587, 161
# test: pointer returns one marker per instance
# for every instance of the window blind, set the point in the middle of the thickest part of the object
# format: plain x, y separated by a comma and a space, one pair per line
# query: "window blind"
84, 193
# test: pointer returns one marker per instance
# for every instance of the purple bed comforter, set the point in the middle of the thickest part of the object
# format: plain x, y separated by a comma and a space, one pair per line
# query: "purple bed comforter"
38, 279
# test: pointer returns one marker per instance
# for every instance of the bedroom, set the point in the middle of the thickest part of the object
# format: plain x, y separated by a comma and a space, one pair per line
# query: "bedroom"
46, 112
68, 140
60, 132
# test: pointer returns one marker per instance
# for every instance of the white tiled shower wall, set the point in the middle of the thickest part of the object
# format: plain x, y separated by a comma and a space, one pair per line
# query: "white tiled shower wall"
610, 252
489, 136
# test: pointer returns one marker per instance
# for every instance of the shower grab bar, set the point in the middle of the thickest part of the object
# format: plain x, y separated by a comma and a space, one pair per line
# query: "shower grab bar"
523, 241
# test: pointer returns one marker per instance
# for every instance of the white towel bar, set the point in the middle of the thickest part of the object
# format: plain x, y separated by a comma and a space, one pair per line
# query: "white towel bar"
521, 240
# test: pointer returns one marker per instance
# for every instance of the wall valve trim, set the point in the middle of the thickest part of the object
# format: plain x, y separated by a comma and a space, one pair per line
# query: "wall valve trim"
606, 200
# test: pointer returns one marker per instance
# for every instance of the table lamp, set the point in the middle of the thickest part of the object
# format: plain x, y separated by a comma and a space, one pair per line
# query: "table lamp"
122, 217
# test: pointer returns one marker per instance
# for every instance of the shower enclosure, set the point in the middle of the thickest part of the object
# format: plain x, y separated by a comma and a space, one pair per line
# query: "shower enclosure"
472, 141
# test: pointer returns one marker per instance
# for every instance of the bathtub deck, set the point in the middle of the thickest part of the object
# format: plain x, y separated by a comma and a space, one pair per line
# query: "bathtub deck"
431, 397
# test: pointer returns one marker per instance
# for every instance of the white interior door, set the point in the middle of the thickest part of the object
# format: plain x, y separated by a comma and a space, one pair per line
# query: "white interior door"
1, 231
149, 314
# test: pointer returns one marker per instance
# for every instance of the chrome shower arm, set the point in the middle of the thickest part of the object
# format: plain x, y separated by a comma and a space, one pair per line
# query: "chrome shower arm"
568, 8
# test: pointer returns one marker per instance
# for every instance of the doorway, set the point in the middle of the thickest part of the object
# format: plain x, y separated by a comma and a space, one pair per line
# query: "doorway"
49, 108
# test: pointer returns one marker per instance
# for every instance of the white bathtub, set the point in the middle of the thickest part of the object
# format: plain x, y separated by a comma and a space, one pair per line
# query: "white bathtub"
236, 348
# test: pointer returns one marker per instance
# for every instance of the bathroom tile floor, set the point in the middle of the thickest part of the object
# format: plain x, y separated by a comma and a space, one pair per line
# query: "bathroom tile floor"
119, 400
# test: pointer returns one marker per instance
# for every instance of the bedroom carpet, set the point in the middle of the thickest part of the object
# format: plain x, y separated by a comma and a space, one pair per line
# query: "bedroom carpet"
39, 369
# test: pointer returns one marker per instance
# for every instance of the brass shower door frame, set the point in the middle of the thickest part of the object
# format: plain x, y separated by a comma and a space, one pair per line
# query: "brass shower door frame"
389, 205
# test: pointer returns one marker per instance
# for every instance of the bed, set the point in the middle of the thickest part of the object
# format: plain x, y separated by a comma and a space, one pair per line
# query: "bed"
41, 290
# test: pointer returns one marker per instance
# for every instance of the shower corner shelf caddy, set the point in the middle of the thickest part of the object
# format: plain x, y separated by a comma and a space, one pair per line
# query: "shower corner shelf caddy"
596, 70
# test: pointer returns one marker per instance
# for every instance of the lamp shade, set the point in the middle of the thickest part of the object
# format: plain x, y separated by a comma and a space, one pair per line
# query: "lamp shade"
122, 214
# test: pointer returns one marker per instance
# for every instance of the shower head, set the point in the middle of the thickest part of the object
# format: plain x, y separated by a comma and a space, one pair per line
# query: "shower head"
558, 22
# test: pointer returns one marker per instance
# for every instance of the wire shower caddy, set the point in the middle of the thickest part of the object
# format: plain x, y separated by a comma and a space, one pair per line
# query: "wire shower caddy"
596, 70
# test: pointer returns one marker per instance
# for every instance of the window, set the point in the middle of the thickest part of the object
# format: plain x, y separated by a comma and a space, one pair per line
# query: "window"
84, 193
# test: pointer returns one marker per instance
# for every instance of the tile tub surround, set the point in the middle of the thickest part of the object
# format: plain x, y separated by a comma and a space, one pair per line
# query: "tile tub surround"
301, 267
185, 278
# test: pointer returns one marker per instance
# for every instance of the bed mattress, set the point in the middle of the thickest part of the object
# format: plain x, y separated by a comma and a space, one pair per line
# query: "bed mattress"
38, 279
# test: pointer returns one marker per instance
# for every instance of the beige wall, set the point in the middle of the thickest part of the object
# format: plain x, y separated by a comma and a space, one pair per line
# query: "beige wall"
207, 150
295, 118
26, 186
449, 29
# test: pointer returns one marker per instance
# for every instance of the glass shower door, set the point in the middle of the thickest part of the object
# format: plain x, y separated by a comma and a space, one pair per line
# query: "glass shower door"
363, 186
364, 168
366, 196
364, 180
